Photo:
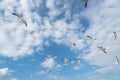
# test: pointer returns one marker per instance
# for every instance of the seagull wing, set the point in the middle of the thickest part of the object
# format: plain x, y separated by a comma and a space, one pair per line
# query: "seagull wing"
74, 44
86, 2
117, 60
17, 15
78, 62
90, 37
24, 22
64, 60
104, 51
115, 36
21, 20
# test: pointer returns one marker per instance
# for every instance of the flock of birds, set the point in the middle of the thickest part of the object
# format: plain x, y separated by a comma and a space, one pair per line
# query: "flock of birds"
103, 49
78, 60
66, 60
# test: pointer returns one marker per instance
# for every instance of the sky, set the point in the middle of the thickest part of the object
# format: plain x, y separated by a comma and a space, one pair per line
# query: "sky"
26, 53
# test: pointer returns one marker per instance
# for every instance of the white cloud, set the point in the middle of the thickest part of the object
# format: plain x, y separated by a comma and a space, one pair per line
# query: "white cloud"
18, 41
5, 74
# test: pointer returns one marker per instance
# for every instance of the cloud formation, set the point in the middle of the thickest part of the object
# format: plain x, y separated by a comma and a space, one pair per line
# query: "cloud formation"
103, 17
18, 41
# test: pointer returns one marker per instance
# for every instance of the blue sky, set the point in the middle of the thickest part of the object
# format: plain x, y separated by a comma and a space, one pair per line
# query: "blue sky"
52, 25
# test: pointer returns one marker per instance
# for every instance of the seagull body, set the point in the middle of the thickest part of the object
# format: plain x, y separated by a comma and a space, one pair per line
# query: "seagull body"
102, 49
72, 43
65, 60
114, 35
91, 38
51, 56
85, 2
77, 60
117, 59
20, 19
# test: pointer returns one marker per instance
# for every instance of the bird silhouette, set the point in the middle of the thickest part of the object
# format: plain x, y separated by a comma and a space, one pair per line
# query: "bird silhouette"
114, 35
102, 49
86, 3
20, 19
65, 60
72, 43
117, 59
91, 38
51, 56
77, 60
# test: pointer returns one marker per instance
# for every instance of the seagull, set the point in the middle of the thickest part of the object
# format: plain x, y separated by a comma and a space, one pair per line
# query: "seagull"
85, 2
78, 60
114, 35
72, 43
65, 60
102, 49
91, 38
51, 56
117, 59
20, 19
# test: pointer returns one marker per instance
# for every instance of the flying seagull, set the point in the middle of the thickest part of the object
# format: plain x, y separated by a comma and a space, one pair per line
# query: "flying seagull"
85, 2
20, 19
102, 49
77, 60
51, 56
65, 60
117, 59
114, 35
91, 38
72, 43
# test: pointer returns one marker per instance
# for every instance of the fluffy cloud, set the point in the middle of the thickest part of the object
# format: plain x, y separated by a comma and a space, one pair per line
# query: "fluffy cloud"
18, 41
5, 74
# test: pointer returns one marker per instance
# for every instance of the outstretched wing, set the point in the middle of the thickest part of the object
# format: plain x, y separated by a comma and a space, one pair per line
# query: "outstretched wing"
86, 2
90, 37
115, 36
24, 22
104, 51
72, 43
16, 15
117, 60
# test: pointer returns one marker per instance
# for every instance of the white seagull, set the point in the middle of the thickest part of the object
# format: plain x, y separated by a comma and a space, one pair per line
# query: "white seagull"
86, 3
20, 19
72, 43
77, 60
91, 38
51, 56
117, 59
65, 60
102, 49
114, 35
